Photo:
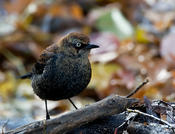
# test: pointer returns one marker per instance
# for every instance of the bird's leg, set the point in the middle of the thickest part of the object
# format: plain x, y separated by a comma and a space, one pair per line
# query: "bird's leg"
72, 103
47, 113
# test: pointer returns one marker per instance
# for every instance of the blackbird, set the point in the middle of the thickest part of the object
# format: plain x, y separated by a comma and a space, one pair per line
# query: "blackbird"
63, 69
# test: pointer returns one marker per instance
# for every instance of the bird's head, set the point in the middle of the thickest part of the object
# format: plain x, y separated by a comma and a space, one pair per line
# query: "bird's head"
77, 44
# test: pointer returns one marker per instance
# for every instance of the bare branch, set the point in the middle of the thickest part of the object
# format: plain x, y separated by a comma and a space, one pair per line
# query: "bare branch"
138, 88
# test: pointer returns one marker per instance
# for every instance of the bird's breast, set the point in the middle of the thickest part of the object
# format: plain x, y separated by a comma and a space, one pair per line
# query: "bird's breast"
74, 74
62, 78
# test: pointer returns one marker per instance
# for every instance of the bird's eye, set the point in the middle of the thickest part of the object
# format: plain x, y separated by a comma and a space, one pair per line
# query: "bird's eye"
78, 44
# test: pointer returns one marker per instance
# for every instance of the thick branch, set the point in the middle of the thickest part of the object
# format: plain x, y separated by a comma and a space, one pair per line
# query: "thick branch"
111, 105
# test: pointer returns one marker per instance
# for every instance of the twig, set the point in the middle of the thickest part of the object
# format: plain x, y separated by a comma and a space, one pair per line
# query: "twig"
129, 117
151, 116
137, 89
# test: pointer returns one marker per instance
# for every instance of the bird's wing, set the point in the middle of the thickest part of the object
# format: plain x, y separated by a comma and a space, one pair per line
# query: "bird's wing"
44, 58
38, 68
42, 61
47, 54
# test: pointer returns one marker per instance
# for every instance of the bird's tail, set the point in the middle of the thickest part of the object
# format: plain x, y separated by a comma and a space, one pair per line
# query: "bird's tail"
28, 75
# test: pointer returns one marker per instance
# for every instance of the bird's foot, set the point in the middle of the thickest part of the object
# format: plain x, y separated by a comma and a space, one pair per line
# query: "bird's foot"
47, 116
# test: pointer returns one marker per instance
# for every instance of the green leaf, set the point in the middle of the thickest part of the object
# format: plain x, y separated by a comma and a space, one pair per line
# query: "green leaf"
114, 21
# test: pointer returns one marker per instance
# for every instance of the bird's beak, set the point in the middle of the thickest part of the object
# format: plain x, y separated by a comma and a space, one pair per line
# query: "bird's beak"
91, 46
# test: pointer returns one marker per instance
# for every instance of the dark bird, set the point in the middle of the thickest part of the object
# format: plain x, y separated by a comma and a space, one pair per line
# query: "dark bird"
63, 69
